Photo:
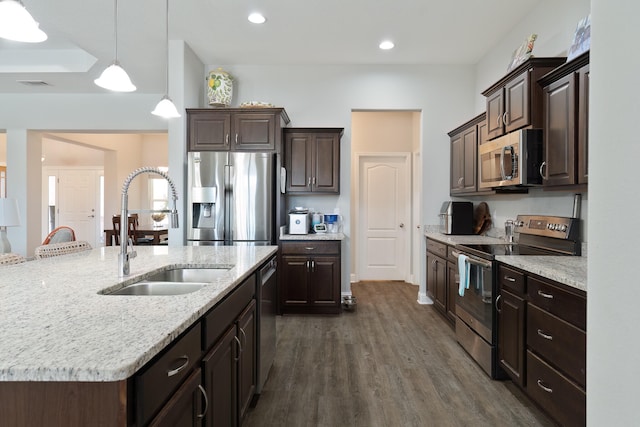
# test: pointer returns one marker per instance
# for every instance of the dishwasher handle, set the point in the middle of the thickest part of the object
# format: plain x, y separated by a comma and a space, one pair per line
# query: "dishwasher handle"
268, 271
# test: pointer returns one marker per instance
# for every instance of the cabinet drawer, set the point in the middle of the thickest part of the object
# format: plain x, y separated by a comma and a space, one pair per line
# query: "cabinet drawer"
162, 377
512, 280
561, 343
565, 304
311, 247
561, 398
450, 256
437, 248
225, 313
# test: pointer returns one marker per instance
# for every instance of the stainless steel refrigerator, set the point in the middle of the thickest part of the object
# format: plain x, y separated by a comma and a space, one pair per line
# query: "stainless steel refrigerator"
231, 198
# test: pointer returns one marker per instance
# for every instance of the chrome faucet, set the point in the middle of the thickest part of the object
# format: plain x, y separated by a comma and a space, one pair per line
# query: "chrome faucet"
125, 241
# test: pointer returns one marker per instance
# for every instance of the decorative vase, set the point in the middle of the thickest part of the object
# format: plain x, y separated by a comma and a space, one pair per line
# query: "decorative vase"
219, 88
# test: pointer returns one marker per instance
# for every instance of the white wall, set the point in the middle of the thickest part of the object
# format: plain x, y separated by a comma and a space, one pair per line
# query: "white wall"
613, 343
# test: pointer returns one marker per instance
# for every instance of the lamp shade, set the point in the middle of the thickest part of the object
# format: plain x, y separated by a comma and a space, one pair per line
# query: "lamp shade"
17, 24
9, 214
115, 78
166, 108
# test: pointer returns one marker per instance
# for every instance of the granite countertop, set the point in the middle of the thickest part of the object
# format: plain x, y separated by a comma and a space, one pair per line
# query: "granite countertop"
57, 327
568, 270
313, 236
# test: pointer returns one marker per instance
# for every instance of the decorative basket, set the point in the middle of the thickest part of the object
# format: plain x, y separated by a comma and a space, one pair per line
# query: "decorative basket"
219, 88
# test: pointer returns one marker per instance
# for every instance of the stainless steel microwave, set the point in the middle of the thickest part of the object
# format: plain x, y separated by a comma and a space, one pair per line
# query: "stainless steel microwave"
511, 160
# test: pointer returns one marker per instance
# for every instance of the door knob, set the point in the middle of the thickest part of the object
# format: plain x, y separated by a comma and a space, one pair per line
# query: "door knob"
91, 216
402, 225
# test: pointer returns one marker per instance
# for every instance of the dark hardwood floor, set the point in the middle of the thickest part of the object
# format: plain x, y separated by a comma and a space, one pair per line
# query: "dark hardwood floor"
391, 362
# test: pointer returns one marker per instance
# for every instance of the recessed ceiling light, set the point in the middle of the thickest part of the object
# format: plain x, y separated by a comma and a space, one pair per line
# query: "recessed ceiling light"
257, 18
386, 45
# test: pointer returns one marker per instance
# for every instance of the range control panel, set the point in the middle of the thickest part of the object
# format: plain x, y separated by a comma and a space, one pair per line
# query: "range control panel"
558, 227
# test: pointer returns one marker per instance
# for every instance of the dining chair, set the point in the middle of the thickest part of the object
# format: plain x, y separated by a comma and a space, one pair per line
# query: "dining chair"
60, 234
63, 248
132, 228
11, 258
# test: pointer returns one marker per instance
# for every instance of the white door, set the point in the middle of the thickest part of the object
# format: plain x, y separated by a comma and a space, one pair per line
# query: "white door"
384, 216
77, 203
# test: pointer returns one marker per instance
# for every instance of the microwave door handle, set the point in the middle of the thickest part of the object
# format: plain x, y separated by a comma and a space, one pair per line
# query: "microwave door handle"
514, 166
503, 175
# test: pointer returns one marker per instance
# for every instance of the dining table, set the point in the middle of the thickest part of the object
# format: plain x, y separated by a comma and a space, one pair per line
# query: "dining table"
143, 230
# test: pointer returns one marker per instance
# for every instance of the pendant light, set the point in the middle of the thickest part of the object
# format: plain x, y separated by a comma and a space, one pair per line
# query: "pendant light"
114, 77
165, 107
17, 24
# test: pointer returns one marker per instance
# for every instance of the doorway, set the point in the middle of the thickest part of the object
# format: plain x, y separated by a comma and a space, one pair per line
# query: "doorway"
386, 189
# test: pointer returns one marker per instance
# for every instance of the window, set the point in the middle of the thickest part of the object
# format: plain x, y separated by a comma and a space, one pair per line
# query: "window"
159, 195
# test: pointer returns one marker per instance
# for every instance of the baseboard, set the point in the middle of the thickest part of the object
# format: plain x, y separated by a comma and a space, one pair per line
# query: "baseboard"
354, 279
424, 299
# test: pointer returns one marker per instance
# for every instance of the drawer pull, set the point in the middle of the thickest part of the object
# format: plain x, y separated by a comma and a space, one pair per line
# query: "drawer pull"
309, 248
545, 388
239, 348
180, 368
545, 336
496, 303
509, 279
244, 339
545, 295
206, 402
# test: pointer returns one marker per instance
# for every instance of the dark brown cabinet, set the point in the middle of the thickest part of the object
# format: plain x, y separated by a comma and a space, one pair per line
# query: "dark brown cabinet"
220, 372
442, 278
437, 281
515, 101
236, 129
464, 157
566, 117
511, 323
312, 160
185, 407
310, 279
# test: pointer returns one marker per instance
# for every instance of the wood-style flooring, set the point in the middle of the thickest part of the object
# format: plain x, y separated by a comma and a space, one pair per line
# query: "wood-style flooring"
391, 362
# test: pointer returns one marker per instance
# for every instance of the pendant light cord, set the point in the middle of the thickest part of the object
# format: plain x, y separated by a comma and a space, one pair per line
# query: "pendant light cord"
115, 26
167, 45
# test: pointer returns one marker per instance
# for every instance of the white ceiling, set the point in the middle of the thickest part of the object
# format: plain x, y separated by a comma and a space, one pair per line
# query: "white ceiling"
81, 36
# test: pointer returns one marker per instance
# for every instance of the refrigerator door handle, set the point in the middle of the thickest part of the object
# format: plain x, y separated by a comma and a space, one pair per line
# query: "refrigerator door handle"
228, 203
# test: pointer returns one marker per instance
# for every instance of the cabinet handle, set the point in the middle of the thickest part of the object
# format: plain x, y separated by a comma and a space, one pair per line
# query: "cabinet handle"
496, 304
309, 248
545, 336
543, 166
505, 116
545, 388
239, 348
309, 182
244, 339
545, 295
313, 266
226, 140
509, 279
206, 401
460, 181
314, 180
236, 139
498, 120
180, 368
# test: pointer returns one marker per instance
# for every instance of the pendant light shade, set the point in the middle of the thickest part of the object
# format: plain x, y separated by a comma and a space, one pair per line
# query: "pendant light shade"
166, 107
114, 77
17, 24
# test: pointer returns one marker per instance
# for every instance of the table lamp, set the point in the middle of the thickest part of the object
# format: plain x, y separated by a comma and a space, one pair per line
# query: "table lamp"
9, 217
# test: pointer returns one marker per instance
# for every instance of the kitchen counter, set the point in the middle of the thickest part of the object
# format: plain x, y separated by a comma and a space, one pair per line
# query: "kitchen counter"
57, 327
568, 270
313, 236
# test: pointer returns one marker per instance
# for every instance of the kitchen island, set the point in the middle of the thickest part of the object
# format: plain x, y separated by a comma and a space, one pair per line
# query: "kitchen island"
58, 328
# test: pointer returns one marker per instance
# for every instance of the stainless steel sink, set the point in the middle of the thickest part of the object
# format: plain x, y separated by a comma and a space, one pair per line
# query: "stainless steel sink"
175, 281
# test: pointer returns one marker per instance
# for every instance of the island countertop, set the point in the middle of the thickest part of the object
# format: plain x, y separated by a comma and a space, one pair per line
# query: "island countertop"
57, 327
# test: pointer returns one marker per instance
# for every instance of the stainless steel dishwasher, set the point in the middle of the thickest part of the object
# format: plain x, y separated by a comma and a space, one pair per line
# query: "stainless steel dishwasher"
267, 314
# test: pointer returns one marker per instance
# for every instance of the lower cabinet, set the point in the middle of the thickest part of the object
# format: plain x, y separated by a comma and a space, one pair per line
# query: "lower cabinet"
185, 407
442, 278
310, 277
542, 342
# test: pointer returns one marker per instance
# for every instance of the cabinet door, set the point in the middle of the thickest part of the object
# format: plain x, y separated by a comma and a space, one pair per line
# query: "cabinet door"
470, 167
511, 345
295, 286
457, 164
220, 381
583, 125
325, 280
436, 271
326, 167
247, 361
254, 131
559, 132
495, 110
184, 409
453, 282
517, 103
209, 131
298, 162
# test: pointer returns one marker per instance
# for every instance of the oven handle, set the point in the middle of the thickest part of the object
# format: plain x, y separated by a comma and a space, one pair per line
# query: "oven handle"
472, 260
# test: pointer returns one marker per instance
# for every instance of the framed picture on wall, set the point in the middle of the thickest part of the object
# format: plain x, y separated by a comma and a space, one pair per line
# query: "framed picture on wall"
581, 38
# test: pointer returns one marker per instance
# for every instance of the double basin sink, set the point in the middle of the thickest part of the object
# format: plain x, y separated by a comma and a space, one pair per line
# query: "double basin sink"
173, 281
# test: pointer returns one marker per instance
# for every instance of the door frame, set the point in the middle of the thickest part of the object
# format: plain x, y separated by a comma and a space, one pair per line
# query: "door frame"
357, 241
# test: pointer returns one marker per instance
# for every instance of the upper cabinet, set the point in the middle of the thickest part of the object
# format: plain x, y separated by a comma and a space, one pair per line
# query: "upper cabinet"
312, 160
235, 129
566, 124
515, 101
464, 155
